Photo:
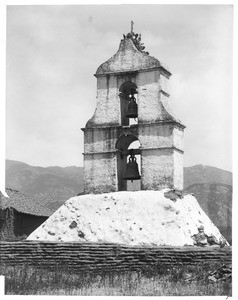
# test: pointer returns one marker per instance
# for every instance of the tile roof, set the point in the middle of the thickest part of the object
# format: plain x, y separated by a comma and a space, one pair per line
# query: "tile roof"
24, 204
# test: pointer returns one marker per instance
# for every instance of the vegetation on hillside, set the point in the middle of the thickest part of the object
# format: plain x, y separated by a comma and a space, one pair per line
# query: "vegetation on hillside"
216, 201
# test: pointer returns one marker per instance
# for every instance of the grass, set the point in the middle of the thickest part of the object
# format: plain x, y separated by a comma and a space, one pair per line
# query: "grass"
150, 281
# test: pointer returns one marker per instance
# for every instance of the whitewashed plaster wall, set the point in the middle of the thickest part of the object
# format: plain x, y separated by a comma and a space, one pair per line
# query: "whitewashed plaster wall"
100, 140
99, 173
156, 135
149, 85
178, 170
157, 169
107, 110
178, 134
162, 168
164, 83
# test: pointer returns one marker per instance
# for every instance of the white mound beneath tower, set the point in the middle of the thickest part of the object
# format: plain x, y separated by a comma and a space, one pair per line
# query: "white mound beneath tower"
132, 218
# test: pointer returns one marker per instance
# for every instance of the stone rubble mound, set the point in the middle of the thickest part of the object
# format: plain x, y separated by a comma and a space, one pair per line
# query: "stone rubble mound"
132, 218
223, 273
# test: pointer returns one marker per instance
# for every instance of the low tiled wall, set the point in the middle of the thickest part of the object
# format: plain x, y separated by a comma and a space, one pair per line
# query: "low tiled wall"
108, 256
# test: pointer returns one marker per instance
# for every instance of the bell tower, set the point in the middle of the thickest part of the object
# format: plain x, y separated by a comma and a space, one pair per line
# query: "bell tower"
132, 105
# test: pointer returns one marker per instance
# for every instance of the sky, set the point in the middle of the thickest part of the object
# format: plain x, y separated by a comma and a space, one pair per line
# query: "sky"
53, 51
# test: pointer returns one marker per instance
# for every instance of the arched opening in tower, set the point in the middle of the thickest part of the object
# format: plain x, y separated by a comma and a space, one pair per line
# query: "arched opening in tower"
128, 101
128, 173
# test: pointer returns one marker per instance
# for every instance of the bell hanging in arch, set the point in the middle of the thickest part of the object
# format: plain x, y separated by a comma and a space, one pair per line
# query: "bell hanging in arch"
132, 171
132, 106
132, 109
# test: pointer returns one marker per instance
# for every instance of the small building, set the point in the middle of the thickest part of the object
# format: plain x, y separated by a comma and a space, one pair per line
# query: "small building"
20, 215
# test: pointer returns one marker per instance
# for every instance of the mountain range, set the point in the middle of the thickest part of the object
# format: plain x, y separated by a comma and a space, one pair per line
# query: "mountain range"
54, 185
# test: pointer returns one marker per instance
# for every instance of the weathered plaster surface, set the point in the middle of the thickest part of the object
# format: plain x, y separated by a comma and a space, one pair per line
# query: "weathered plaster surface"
162, 168
178, 170
131, 218
164, 83
166, 107
178, 134
148, 91
99, 173
153, 105
107, 107
154, 136
109, 139
157, 169
128, 58
97, 140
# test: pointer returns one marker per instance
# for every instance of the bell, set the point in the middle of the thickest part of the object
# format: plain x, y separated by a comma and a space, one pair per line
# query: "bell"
132, 171
132, 109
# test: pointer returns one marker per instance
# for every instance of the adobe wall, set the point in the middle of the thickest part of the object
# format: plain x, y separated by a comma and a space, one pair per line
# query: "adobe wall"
150, 136
178, 135
25, 224
149, 84
17, 224
100, 139
157, 133
109, 256
148, 94
7, 226
99, 173
108, 104
157, 169
178, 170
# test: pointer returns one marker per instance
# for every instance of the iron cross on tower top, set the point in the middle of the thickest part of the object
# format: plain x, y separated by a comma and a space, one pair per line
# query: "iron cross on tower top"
132, 23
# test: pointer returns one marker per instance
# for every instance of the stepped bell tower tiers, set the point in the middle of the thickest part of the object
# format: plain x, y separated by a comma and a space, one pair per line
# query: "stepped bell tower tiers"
132, 105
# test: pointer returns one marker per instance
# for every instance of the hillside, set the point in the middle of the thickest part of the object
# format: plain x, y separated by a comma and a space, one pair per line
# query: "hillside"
216, 200
54, 183
206, 174
58, 182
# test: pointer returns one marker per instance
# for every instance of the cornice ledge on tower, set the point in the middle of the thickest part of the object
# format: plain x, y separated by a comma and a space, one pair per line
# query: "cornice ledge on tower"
136, 151
154, 123
135, 72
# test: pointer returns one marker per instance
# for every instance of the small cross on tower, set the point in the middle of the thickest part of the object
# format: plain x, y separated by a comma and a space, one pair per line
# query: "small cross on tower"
132, 23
